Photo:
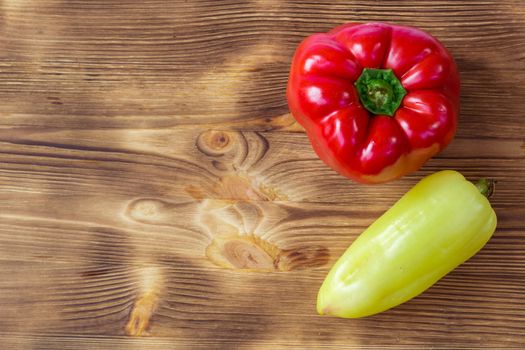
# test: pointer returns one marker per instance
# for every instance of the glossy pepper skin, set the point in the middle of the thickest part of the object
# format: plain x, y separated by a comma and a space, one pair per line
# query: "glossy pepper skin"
377, 100
436, 226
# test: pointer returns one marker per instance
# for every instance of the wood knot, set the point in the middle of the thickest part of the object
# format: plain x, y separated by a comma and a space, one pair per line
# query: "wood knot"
242, 252
253, 253
245, 255
150, 281
215, 142
147, 210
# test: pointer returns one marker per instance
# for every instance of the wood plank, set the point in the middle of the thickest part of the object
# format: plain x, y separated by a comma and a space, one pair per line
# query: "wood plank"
152, 64
156, 193
203, 303
195, 162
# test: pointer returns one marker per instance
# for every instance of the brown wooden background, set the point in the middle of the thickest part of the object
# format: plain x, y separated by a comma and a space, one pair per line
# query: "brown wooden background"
147, 161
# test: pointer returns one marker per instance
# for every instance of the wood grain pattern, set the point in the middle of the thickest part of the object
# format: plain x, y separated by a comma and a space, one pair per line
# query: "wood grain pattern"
155, 193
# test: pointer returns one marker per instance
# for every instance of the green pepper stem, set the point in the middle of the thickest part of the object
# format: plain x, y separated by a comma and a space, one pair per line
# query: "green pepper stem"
486, 187
380, 91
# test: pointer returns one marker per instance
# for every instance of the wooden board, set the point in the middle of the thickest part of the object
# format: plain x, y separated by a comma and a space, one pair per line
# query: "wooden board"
155, 193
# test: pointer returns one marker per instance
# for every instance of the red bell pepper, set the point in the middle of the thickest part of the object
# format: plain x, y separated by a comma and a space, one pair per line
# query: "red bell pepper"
376, 100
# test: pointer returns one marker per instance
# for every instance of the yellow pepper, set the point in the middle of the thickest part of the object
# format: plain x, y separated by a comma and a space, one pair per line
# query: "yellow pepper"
436, 226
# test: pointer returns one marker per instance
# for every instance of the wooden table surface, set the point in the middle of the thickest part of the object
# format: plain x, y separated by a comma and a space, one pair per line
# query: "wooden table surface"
156, 194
